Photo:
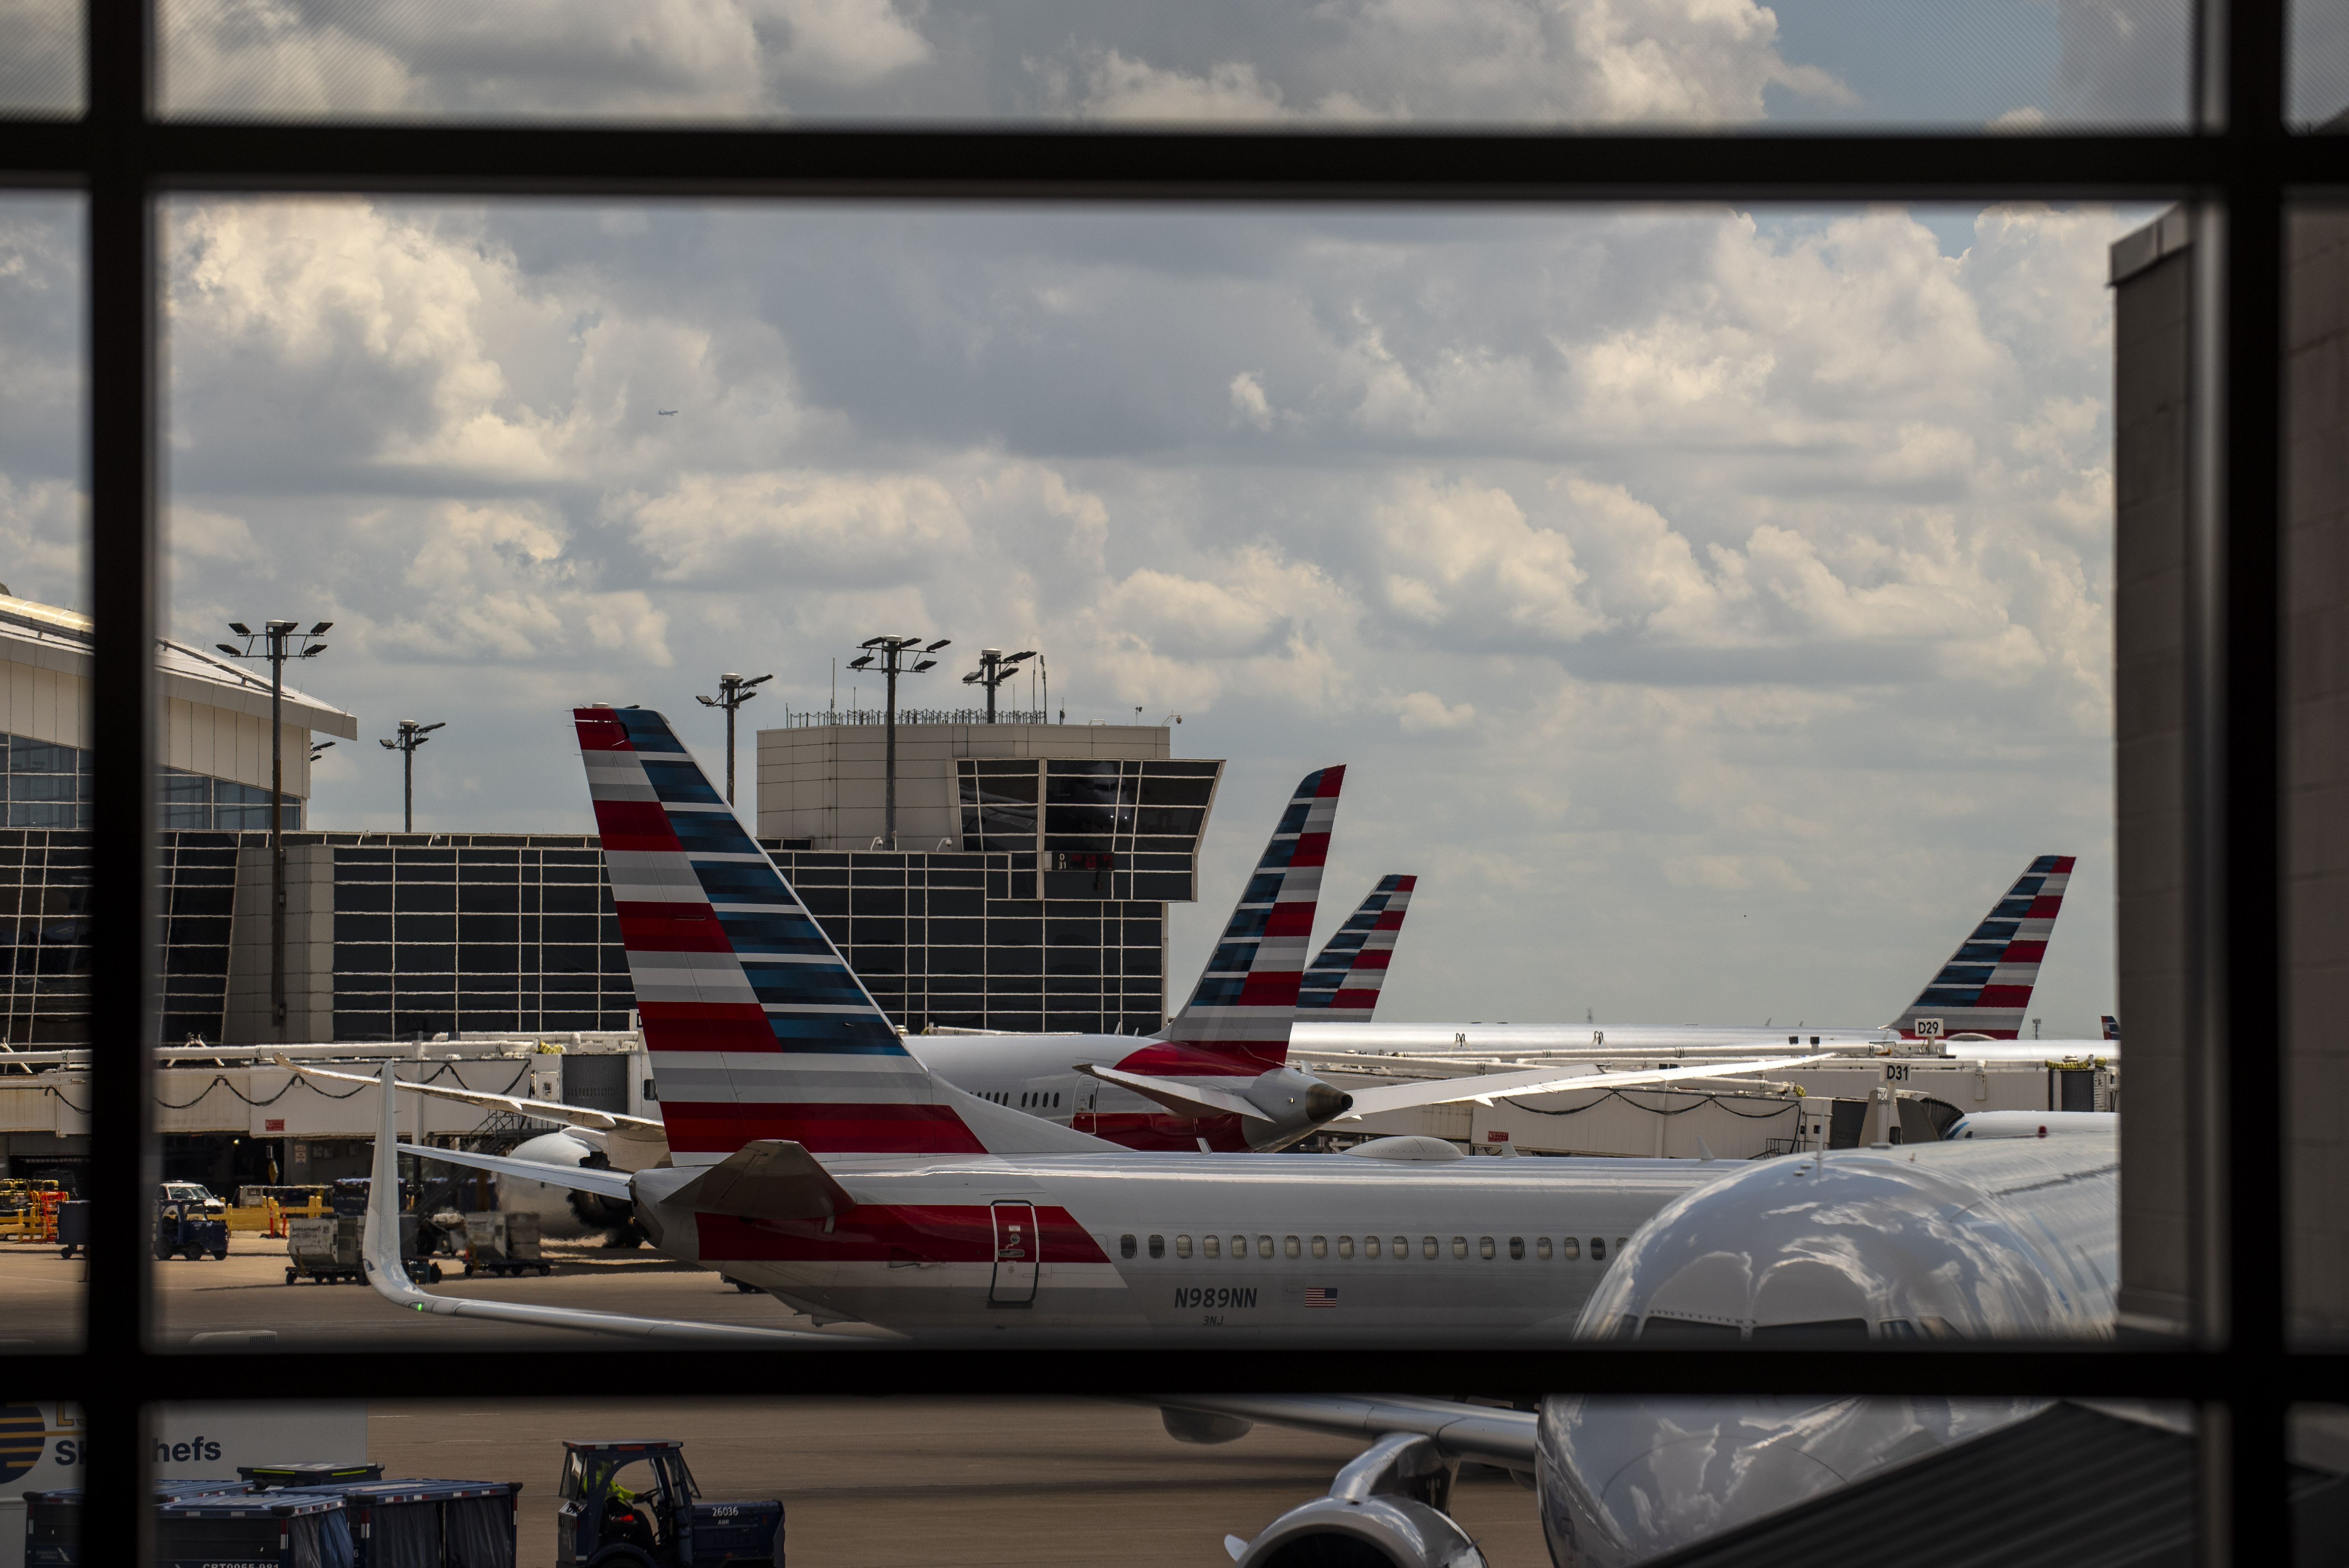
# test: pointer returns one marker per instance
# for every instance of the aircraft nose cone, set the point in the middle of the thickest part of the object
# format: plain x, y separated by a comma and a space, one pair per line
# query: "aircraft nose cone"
1324, 1102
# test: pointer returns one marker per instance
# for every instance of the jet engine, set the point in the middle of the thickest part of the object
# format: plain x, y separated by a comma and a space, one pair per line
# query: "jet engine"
1385, 1510
564, 1214
1293, 1104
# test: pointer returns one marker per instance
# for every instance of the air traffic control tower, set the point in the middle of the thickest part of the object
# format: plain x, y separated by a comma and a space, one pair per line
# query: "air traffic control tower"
1032, 868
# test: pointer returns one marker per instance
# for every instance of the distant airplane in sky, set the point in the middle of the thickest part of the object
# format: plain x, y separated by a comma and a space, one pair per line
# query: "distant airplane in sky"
664, 413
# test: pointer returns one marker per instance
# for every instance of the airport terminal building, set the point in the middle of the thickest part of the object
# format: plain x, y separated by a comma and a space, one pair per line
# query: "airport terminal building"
1027, 891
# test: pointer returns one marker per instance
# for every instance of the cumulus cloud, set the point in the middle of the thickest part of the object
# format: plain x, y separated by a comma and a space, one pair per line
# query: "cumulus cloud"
1658, 569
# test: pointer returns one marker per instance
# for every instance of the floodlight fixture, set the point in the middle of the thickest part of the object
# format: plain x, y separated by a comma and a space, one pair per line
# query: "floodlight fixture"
733, 690
860, 662
411, 735
274, 642
318, 748
925, 664
873, 642
320, 629
942, 642
1024, 653
892, 652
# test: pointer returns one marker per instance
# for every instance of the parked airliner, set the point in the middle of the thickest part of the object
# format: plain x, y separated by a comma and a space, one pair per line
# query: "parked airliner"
816, 1159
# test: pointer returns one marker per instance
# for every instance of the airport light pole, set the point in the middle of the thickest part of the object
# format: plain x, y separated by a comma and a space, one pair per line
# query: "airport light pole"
892, 651
275, 642
732, 692
411, 735
994, 669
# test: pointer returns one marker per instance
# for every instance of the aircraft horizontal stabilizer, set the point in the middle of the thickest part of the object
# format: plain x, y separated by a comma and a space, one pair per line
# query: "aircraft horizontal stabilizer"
380, 1256
1183, 1099
592, 1179
1485, 1088
541, 1110
767, 1178
1479, 1432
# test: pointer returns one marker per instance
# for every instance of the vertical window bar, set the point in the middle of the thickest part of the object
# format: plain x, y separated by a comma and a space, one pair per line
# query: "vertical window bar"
123, 929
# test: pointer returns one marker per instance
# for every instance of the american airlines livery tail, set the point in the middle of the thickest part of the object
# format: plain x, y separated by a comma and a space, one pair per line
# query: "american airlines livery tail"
1342, 985
756, 1026
1985, 987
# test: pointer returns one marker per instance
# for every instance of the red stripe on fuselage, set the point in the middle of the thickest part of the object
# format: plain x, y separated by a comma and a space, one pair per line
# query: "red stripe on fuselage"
709, 1126
957, 1233
1159, 1131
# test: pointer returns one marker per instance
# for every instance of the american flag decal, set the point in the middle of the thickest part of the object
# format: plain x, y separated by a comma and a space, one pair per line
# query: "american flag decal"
1317, 1296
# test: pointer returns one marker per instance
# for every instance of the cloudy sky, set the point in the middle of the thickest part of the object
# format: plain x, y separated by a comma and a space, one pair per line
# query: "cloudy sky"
1714, 603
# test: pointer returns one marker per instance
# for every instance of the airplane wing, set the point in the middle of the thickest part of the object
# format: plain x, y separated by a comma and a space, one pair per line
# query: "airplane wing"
540, 1110
592, 1179
380, 1256
1182, 1098
1485, 1088
1479, 1432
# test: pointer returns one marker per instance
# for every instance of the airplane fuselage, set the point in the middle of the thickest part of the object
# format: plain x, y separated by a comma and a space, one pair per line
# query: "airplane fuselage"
1246, 1249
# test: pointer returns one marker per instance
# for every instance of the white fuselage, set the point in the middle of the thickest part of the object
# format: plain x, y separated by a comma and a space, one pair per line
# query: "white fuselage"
1213, 1249
1633, 1040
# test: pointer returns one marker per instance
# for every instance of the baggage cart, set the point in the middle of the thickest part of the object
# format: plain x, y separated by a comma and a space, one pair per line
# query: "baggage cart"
325, 1250
258, 1530
190, 1230
420, 1524
504, 1244
321, 1472
52, 1519
73, 1227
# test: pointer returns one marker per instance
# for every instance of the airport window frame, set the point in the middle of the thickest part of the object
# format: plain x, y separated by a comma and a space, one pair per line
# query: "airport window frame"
2238, 157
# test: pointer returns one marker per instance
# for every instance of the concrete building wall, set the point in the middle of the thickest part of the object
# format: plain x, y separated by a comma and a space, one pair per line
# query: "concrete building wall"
309, 945
826, 782
2316, 771
44, 703
2153, 285
2153, 272
224, 744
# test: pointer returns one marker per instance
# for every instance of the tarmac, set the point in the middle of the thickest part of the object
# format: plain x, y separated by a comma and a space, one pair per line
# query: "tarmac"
943, 1483
883, 1481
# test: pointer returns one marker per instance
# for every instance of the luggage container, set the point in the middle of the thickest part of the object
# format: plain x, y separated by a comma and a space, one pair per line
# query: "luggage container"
256, 1530
504, 1244
421, 1523
73, 1227
315, 1473
324, 1250
52, 1519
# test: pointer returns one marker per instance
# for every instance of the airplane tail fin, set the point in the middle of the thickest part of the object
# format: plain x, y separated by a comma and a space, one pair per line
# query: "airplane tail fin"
756, 1026
1342, 986
1246, 997
1986, 985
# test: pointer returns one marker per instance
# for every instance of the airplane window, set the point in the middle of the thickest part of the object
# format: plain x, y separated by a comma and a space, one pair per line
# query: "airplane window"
1290, 1246
1183, 1246
1517, 1247
1459, 1246
1403, 1246
1686, 1328
1541, 1248
1321, 1246
1056, 1099
1023, 1101
1620, 1241
1427, 1247
1598, 1249
1264, 1246
1125, 1246
1569, 1248
1158, 1246
1212, 1246
1370, 1246
1836, 1328
1485, 1248
1240, 1247
1346, 1246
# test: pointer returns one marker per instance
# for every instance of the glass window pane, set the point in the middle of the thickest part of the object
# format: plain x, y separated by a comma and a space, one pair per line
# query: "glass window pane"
1807, 62
2317, 80
41, 71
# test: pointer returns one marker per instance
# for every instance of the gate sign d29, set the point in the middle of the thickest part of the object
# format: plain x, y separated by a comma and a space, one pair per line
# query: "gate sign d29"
1929, 1029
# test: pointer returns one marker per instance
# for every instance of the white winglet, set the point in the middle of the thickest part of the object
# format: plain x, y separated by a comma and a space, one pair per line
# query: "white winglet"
1369, 1100
380, 1256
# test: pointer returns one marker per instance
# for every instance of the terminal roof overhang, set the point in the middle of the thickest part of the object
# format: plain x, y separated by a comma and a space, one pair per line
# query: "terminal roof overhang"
59, 639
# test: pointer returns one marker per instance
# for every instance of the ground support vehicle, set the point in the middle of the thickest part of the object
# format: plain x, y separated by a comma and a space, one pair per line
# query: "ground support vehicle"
326, 1249
255, 1529
501, 1244
73, 1226
190, 1230
423, 1523
635, 1505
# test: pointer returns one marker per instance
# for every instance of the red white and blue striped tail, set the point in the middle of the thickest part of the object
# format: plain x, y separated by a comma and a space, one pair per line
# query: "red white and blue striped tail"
1246, 997
756, 1026
1985, 987
1342, 986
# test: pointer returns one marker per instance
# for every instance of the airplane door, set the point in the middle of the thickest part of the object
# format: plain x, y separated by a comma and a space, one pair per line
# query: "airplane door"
1019, 1248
